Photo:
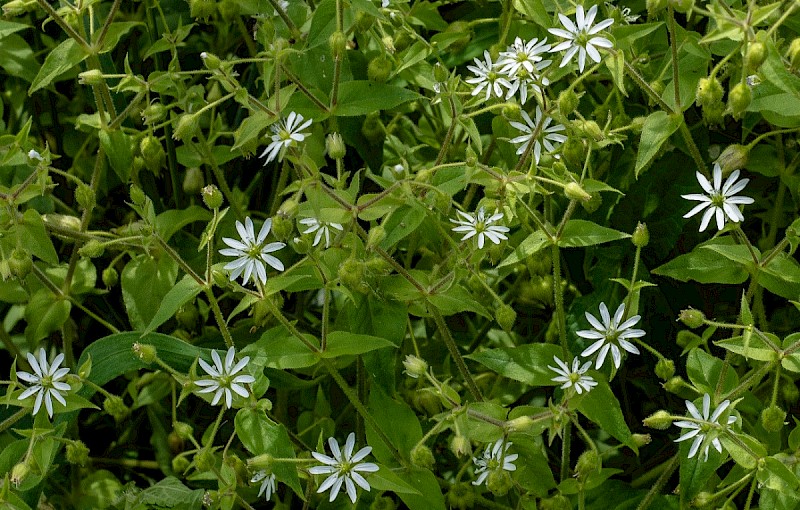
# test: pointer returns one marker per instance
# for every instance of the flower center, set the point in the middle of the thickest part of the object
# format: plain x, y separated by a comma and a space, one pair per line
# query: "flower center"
582, 38
717, 200
253, 251
492, 464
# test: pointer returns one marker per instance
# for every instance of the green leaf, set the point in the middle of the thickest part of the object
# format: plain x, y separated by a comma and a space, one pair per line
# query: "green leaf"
741, 454
170, 492
615, 62
456, 299
261, 435
703, 266
386, 480
775, 475
343, 343
602, 407
61, 59
172, 220
657, 129
430, 498
251, 127
116, 31
179, 295
33, 237
480, 430
117, 147
533, 471
705, 370
525, 363
696, 472
531, 245
751, 346
145, 282
624, 35
580, 233
535, 10
9, 27
17, 58
360, 97
45, 313
792, 361
397, 421
282, 350
401, 223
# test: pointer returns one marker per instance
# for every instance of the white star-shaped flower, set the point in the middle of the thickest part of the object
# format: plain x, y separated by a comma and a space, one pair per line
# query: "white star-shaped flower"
707, 427
581, 36
549, 135
252, 253
224, 380
494, 457
286, 133
321, 228
344, 468
573, 378
610, 335
268, 484
481, 226
522, 55
719, 199
487, 76
45, 381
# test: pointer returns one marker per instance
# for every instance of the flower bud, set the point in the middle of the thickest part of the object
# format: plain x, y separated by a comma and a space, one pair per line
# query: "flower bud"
19, 472
557, 502
460, 496
183, 430
92, 249
593, 203
415, 367
338, 44
180, 464
422, 456
739, 99
154, 113
363, 22
755, 56
440, 73
202, 9
637, 124
588, 463
77, 453
351, 275
772, 418
567, 101
655, 7
704, 499
137, 195
186, 127
506, 316
732, 158
282, 227
380, 69
85, 197
519, 424
145, 352
499, 482
512, 111
790, 393
674, 385
709, 91
116, 408
460, 445
152, 153
692, 318
793, 54
204, 460
665, 369
334, 145
427, 401
110, 277
573, 151
193, 181
660, 420
590, 129
20, 263
91, 77
212, 196
641, 439
18, 7
682, 5
383, 503
713, 115
574, 191
641, 236
373, 129
210, 60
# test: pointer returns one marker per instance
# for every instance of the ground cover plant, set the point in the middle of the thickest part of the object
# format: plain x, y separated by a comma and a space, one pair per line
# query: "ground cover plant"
517, 254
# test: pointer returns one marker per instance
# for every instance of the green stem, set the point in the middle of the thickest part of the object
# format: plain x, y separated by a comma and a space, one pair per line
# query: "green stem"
673, 43
453, 348
218, 175
633, 73
655, 490
566, 435
450, 130
223, 326
64, 25
559, 300
104, 31
693, 150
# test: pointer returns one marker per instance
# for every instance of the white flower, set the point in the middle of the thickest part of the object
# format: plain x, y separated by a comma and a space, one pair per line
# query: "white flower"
494, 458
706, 429
487, 76
580, 38
522, 55
481, 226
321, 228
252, 253
573, 378
610, 335
268, 483
224, 379
286, 133
720, 199
45, 383
343, 468
549, 135
35, 155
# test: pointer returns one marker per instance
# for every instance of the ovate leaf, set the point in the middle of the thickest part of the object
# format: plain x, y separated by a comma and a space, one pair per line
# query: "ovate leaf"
64, 57
657, 129
360, 97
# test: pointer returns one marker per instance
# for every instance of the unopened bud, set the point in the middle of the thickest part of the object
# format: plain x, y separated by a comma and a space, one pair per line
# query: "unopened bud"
186, 127
212, 196
137, 195
110, 277
557, 502
660, 420
755, 56
373, 129
440, 73
77, 453
704, 499
422, 456
665, 369
588, 463
415, 367
460, 445
674, 385
574, 191
590, 129
380, 69
84, 195
790, 393
692, 318
116, 408
154, 113
19, 472
641, 236
334, 145
512, 111
180, 464
772, 418
499, 482
210, 60
637, 124
202, 9
461, 496
204, 460
655, 7
92, 249
145, 352
363, 22
338, 44
793, 54
183, 430
567, 101
193, 181
641, 439
506, 316
153, 153
351, 275
734, 157
20, 263
739, 99
91, 77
